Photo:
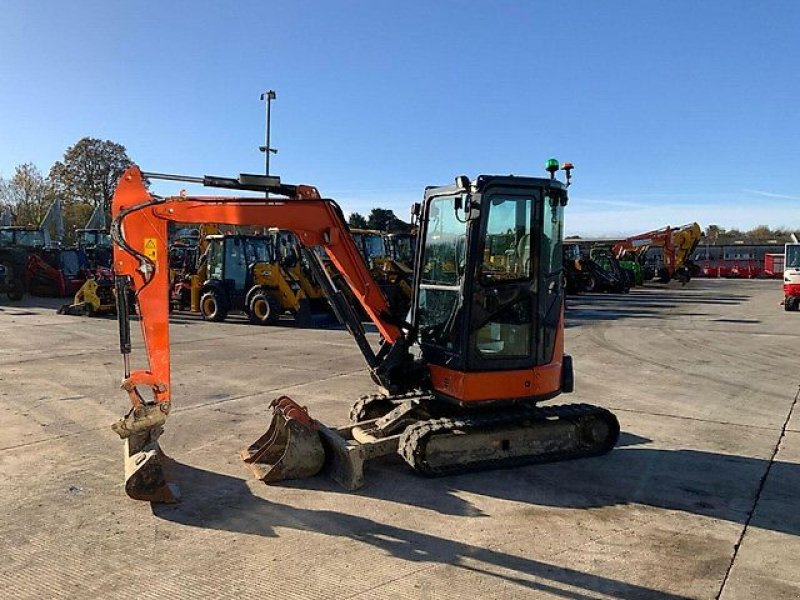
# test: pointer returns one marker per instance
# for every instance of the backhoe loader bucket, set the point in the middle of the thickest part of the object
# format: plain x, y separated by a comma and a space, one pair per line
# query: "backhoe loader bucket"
145, 465
290, 449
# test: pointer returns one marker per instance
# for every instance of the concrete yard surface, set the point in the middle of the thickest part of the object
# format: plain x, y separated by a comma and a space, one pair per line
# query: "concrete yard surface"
700, 499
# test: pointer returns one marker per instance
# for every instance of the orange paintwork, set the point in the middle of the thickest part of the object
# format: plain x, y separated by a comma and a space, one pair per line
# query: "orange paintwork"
483, 386
313, 220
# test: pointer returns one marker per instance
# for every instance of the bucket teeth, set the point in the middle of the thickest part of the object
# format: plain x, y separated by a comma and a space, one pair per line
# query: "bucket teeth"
145, 465
291, 447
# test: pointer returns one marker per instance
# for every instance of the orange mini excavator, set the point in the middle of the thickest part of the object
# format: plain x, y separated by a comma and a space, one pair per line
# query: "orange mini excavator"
460, 382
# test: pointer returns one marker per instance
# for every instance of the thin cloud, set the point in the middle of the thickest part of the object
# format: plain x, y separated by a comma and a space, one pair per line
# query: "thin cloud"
642, 201
772, 195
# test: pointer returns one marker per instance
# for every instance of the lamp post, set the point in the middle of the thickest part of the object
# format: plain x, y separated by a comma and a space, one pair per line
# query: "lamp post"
269, 96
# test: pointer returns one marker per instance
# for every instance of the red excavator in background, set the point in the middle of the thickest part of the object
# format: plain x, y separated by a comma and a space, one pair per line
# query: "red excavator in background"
459, 383
677, 243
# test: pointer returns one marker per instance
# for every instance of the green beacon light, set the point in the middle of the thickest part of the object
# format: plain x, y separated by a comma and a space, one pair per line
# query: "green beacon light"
552, 167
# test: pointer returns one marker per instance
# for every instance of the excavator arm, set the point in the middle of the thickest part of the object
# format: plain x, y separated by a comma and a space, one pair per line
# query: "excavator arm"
141, 266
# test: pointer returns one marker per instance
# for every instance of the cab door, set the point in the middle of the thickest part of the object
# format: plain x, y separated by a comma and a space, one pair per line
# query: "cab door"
501, 327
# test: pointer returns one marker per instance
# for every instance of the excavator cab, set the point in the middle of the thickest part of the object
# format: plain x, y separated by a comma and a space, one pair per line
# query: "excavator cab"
402, 248
14, 236
394, 278
371, 245
96, 245
489, 298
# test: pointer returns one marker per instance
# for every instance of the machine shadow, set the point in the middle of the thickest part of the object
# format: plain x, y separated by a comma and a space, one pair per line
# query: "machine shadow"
32, 302
696, 482
221, 502
317, 321
643, 304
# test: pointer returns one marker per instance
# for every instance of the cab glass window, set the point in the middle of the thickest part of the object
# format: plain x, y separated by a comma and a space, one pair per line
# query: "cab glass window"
373, 246
507, 246
235, 260
258, 251
215, 260
552, 234
792, 257
503, 310
443, 264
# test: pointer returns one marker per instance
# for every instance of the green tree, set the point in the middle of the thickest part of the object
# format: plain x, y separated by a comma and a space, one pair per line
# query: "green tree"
27, 195
384, 219
90, 171
357, 221
761, 233
713, 232
6, 209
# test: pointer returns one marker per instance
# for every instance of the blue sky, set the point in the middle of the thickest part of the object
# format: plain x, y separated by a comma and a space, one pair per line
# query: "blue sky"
671, 111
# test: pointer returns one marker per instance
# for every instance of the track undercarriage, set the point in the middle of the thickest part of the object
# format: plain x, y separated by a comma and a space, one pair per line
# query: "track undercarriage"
440, 440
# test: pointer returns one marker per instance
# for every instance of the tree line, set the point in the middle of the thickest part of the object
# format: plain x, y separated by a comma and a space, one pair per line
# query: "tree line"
85, 178
382, 219
714, 234
379, 219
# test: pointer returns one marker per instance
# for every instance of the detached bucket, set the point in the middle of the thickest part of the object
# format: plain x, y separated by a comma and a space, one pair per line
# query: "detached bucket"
290, 449
144, 469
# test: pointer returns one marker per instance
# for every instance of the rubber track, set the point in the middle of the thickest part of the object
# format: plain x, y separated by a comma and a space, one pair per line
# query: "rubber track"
414, 441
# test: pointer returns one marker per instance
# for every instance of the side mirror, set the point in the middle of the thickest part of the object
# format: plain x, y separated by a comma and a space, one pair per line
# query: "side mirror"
469, 205
473, 206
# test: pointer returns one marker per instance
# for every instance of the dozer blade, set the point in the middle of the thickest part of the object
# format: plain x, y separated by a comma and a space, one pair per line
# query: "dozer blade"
145, 464
344, 459
290, 448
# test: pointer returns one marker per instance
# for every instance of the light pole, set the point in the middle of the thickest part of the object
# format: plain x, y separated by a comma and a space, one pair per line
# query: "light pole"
269, 96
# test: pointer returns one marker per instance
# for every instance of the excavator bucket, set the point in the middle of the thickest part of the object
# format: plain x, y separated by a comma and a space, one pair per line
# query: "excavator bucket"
291, 447
145, 465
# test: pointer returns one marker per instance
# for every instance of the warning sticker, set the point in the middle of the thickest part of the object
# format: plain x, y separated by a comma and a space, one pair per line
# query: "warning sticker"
150, 248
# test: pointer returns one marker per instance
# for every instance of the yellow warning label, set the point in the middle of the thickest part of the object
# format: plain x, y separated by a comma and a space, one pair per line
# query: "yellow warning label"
150, 248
